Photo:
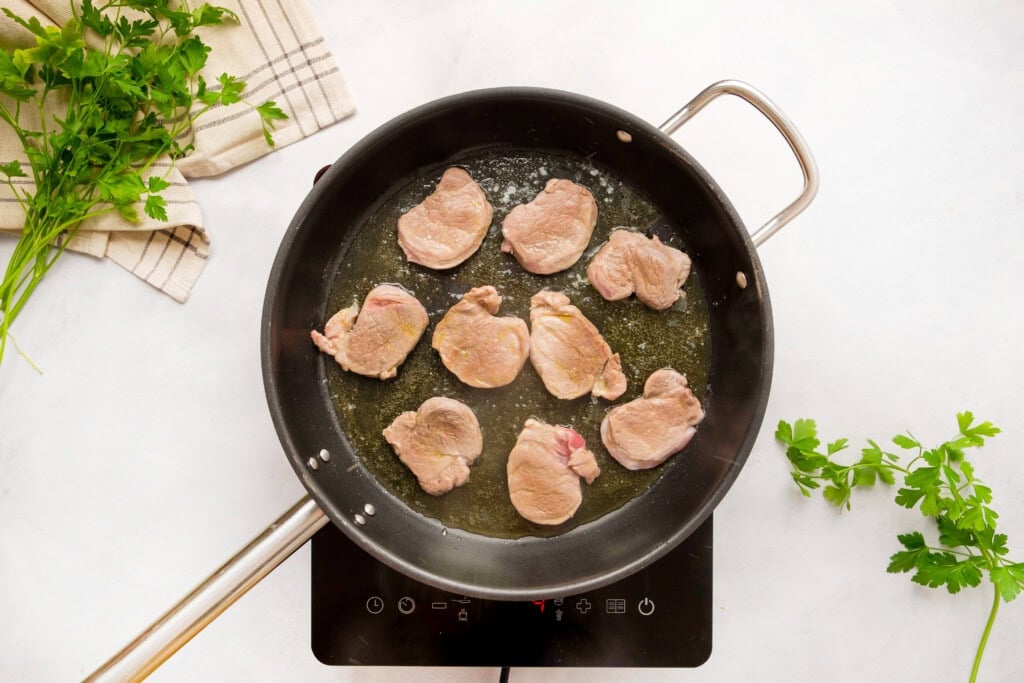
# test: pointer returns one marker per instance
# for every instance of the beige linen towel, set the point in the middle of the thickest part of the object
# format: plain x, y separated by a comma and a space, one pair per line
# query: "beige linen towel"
278, 50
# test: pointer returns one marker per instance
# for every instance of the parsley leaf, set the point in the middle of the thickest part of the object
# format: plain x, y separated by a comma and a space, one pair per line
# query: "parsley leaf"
1008, 580
906, 560
943, 569
12, 169
230, 89
156, 207
905, 441
270, 113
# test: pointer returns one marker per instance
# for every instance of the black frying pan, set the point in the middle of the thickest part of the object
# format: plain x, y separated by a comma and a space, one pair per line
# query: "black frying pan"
583, 558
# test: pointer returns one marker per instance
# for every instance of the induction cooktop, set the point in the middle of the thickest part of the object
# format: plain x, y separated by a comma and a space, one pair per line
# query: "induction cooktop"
366, 614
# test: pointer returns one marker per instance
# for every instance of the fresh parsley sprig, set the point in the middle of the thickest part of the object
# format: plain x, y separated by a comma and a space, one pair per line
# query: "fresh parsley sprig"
940, 482
124, 105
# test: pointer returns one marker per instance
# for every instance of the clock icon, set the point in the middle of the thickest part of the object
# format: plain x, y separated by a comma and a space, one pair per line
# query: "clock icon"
375, 605
406, 605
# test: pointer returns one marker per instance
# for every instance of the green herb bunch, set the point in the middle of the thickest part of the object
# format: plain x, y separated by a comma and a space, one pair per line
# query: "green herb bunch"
123, 105
941, 484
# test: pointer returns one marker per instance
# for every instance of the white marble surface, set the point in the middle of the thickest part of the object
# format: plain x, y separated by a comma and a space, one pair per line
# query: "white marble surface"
894, 307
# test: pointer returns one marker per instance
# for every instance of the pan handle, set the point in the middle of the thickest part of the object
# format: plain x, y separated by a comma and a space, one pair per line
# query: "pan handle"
179, 624
781, 122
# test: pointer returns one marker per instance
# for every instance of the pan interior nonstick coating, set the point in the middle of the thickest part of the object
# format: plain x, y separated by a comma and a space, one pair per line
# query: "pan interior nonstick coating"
422, 142
646, 339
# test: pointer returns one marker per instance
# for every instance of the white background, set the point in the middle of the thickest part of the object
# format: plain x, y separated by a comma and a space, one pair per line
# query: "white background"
896, 302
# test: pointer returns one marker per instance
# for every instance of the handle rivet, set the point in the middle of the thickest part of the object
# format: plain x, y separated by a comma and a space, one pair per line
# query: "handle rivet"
741, 279
623, 136
369, 509
360, 520
325, 454
314, 464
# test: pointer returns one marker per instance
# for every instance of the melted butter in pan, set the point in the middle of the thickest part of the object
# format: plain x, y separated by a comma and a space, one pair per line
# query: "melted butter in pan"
645, 339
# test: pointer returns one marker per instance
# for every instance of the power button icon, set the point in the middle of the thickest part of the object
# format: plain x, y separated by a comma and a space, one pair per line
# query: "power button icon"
646, 607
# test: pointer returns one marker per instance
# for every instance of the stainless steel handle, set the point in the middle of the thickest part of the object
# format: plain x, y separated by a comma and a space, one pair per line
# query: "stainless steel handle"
219, 591
781, 122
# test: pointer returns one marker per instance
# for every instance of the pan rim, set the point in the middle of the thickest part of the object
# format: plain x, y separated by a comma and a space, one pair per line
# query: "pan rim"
316, 491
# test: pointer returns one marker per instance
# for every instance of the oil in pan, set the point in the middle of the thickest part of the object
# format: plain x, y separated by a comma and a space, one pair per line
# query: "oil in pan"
645, 339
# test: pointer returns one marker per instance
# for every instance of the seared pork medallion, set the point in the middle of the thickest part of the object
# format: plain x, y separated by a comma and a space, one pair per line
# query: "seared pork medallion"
480, 348
550, 233
375, 340
544, 470
629, 262
438, 443
569, 354
647, 431
448, 226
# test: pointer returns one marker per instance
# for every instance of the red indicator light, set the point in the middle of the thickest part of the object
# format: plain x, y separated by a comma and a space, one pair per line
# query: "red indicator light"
540, 603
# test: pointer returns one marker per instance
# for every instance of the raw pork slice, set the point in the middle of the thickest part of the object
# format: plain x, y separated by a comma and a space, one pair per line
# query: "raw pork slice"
629, 262
482, 349
438, 443
569, 354
550, 233
447, 227
647, 431
544, 470
388, 327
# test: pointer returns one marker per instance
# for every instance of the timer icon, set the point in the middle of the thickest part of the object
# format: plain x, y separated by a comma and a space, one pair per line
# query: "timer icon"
374, 605
406, 605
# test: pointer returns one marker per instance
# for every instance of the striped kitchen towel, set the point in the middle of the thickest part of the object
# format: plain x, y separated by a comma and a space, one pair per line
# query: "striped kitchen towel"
278, 50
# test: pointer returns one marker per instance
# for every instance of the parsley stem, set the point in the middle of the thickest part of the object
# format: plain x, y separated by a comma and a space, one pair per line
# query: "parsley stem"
14, 191
24, 355
947, 550
984, 636
843, 471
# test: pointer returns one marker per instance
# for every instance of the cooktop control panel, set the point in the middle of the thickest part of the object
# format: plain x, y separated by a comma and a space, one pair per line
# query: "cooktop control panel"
365, 613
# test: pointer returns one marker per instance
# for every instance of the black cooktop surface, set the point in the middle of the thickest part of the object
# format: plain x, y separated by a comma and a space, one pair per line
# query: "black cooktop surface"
365, 613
